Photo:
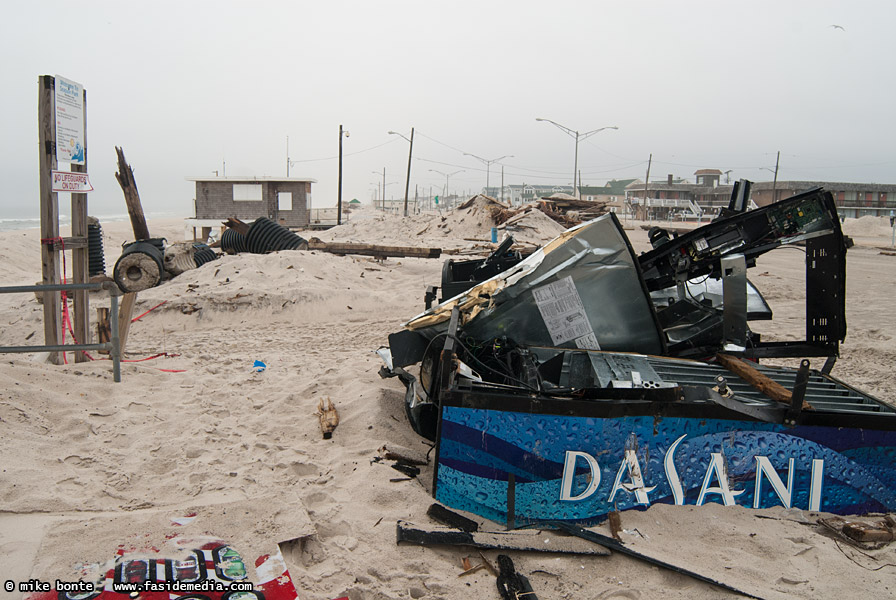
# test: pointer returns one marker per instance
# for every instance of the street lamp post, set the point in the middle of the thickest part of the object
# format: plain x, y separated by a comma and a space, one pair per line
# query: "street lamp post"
577, 136
407, 183
339, 197
383, 203
488, 164
447, 175
775, 182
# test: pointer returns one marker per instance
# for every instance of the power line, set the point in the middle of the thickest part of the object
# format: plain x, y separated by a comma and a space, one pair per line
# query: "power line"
441, 143
345, 154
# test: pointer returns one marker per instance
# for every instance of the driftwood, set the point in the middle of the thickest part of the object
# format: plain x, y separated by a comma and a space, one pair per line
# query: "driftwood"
861, 534
103, 328
329, 418
237, 225
373, 250
125, 311
758, 380
125, 177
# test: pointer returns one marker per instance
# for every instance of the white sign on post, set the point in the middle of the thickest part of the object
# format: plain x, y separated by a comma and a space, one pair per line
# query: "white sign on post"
69, 121
63, 181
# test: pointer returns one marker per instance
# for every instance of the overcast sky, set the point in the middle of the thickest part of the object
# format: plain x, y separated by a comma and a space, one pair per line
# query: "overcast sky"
186, 86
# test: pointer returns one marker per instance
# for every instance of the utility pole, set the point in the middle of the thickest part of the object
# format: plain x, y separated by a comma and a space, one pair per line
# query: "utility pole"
339, 197
775, 183
502, 184
287, 156
407, 182
647, 183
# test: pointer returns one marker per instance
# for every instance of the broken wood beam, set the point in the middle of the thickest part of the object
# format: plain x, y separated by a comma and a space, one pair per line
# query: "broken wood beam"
125, 177
103, 328
374, 250
237, 225
758, 380
125, 311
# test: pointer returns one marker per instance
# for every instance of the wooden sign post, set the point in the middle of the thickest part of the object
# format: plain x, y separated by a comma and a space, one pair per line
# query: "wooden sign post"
51, 243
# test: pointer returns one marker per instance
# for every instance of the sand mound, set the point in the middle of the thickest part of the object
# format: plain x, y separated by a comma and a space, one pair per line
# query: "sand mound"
470, 222
867, 226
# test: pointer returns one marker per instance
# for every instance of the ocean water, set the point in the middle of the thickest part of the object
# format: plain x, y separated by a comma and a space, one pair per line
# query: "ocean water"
9, 224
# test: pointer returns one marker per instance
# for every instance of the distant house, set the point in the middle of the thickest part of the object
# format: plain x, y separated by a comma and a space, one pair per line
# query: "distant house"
521, 194
852, 199
284, 200
676, 198
613, 194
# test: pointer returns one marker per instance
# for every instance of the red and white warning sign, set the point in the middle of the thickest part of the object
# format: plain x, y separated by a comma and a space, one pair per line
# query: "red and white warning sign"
63, 181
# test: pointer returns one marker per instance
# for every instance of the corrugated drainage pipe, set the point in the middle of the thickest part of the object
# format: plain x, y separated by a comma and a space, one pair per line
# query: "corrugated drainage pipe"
203, 254
96, 257
233, 242
266, 236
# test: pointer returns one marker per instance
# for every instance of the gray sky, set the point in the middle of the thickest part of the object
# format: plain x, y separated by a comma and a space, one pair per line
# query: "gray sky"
184, 86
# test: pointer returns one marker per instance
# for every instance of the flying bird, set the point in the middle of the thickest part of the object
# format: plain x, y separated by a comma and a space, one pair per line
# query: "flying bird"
838, 27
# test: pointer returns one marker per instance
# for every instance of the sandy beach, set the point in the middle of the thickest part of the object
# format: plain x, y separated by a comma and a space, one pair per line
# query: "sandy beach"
199, 427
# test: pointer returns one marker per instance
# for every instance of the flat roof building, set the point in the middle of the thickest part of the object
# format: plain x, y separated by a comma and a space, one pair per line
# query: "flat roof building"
284, 200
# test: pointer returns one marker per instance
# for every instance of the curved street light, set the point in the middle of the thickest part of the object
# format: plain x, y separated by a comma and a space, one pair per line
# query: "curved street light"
488, 164
577, 136
407, 183
447, 175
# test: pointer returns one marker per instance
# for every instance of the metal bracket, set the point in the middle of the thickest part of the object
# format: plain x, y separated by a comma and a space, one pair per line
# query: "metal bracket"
798, 394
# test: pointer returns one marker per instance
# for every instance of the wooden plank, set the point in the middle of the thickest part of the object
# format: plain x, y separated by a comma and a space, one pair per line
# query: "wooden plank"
125, 177
81, 305
49, 212
758, 380
374, 250
125, 314
237, 225
70, 243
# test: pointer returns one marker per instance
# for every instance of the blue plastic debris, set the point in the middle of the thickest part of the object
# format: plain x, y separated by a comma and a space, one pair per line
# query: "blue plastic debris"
259, 366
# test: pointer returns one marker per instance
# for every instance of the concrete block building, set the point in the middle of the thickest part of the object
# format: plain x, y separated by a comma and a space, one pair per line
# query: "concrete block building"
284, 200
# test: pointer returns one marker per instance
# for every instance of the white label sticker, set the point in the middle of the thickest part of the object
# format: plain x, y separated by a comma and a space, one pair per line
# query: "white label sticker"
563, 311
588, 342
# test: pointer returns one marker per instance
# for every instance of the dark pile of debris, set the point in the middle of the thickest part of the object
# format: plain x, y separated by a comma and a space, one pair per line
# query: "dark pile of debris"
565, 210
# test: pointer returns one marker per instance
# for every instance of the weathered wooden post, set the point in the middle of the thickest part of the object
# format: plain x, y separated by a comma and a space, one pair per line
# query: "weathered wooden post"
62, 132
49, 212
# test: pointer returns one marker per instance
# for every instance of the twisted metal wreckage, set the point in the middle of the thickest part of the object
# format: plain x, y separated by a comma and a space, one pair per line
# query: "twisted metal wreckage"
585, 379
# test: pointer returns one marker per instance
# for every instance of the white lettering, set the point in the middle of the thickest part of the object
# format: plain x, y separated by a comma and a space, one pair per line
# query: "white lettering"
569, 474
631, 465
717, 466
672, 473
815, 484
764, 465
